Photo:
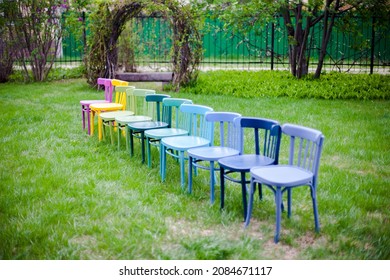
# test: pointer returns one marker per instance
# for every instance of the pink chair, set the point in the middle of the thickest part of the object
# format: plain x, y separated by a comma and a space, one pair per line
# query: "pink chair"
85, 109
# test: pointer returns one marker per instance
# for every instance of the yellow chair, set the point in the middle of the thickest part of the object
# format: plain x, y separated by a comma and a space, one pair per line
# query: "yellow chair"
98, 108
108, 118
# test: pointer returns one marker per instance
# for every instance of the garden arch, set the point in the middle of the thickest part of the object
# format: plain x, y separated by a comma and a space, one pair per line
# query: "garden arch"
109, 19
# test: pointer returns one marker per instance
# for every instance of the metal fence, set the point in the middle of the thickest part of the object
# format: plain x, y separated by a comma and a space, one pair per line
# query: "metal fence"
265, 48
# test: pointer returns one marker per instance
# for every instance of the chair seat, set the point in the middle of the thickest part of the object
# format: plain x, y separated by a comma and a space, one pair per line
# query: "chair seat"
147, 125
183, 143
212, 153
165, 132
128, 119
245, 162
89, 102
106, 106
281, 175
110, 116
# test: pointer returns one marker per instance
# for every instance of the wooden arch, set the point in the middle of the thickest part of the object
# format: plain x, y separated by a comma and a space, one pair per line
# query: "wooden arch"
109, 20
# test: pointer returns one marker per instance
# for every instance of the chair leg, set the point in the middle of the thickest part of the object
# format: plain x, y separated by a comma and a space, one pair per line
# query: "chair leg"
182, 175
111, 124
142, 133
119, 131
163, 159
91, 117
212, 182
278, 202
222, 184
244, 199
250, 204
190, 159
289, 200
315, 209
260, 191
83, 111
148, 152
131, 146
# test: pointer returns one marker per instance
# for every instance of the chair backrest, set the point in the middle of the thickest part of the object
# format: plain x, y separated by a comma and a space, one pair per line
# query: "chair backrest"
137, 100
266, 135
228, 133
121, 93
305, 147
156, 100
195, 121
108, 88
171, 113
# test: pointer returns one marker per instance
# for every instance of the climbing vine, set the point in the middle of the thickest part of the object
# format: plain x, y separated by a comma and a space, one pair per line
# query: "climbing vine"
108, 20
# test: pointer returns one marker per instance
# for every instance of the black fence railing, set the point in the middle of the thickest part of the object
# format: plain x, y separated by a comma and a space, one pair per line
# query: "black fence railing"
266, 47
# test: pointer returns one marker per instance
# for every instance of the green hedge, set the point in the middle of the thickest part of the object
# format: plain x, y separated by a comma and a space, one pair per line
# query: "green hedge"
281, 83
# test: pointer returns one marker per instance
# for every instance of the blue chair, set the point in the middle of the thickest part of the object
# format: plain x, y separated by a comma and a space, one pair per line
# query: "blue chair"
302, 170
228, 146
177, 127
137, 129
266, 137
201, 134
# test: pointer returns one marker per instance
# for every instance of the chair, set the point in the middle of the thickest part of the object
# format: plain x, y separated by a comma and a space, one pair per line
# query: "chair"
228, 146
302, 170
176, 127
201, 134
108, 118
137, 129
98, 108
142, 112
85, 104
266, 140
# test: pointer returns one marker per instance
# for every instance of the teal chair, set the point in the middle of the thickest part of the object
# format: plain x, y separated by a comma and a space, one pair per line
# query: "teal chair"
301, 170
177, 127
200, 135
137, 129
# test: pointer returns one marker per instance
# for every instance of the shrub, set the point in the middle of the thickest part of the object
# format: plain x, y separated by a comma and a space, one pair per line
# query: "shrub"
281, 83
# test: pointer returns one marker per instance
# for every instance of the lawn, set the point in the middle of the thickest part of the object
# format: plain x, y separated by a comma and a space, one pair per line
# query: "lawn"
65, 195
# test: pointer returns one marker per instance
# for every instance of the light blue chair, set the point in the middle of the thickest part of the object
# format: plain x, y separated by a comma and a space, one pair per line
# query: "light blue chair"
201, 135
265, 135
177, 126
227, 146
302, 170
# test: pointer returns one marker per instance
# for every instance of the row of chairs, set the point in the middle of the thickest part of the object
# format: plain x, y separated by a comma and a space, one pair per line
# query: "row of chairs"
214, 141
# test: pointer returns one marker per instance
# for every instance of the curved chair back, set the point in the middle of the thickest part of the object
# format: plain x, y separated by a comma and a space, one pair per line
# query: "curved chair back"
108, 88
267, 136
138, 104
305, 147
195, 121
156, 101
228, 132
171, 112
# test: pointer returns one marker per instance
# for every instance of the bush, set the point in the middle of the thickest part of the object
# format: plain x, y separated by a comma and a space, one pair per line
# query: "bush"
281, 83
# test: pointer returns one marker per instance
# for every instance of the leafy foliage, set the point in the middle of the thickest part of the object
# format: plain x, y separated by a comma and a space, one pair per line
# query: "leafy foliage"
280, 83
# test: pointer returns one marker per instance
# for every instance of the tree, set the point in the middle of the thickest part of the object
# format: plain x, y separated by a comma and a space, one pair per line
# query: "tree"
108, 19
300, 16
34, 29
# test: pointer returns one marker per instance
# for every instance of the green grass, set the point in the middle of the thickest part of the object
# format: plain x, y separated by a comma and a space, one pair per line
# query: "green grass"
65, 195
